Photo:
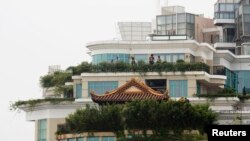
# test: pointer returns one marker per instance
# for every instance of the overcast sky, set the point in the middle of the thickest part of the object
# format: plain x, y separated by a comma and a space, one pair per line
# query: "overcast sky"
37, 33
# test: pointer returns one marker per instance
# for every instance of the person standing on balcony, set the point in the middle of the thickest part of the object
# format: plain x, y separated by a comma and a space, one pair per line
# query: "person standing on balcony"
159, 59
117, 59
132, 60
151, 59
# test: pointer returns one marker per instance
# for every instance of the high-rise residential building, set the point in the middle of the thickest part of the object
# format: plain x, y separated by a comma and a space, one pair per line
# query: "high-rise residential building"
219, 48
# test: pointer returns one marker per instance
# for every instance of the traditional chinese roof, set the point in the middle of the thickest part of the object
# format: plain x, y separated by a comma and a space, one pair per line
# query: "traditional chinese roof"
132, 90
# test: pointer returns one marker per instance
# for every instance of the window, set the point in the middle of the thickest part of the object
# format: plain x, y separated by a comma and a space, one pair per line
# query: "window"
181, 18
71, 139
169, 19
101, 87
79, 90
108, 138
178, 88
230, 7
93, 139
42, 126
181, 57
175, 58
157, 84
223, 7
109, 57
198, 90
168, 58
141, 57
79, 139
246, 9
243, 80
161, 20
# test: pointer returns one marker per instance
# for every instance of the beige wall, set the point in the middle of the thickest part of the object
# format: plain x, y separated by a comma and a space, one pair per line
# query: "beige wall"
52, 127
36, 130
200, 24
181, 76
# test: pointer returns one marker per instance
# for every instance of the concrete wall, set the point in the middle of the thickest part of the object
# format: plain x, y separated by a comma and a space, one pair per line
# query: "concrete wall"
200, 24
52, 127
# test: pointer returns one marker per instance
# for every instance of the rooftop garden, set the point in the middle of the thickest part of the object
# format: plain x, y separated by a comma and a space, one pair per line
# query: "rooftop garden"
59, 78
165, 119
227, 92
139, 67
32, 103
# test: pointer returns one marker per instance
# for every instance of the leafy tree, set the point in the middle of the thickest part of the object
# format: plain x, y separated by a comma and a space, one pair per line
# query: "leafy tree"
166, 119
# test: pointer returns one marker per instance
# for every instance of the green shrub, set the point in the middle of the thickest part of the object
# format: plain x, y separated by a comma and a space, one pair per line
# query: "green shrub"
160, 117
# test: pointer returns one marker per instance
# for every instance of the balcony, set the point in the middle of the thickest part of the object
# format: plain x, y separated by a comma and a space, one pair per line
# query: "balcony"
223, 21
224, 45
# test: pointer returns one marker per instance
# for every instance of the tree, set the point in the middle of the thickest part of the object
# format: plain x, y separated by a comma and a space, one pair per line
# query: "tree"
166, 119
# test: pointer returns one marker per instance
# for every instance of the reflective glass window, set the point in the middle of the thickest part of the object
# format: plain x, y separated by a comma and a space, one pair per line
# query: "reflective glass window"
141, 57
181, 18
42, 130
168, 58
222, 7
79, 90
108, 138
93, 139
79, 139
101, 87
161, 20
178, 88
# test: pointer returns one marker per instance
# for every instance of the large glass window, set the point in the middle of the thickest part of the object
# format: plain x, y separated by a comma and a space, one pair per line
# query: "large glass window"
42, 129
93, 139
178, 88
169, 19
181, 18
175, 58
79, 139
170, 27
79, 90
141, 57
246, 49
108, 138
168, 58
110, 57
161, 20
181, 57
172, 57
225, 10
101, 87
223, 7
246, 9
243, 80
157, 84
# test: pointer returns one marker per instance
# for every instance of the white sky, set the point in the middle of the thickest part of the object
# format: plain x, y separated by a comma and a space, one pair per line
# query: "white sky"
37, 33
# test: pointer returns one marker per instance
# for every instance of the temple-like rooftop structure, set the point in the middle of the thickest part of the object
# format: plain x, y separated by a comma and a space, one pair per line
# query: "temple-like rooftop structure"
132, 90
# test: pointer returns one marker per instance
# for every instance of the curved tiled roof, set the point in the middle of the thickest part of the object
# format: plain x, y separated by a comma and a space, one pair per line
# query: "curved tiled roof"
132, 90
